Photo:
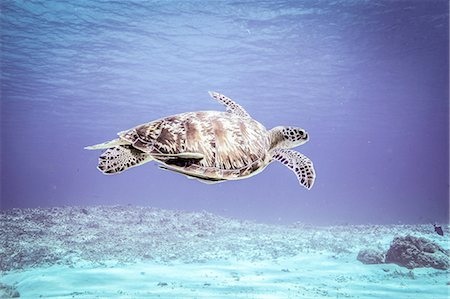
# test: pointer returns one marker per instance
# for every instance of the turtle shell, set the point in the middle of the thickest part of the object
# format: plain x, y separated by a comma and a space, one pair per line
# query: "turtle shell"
232, 146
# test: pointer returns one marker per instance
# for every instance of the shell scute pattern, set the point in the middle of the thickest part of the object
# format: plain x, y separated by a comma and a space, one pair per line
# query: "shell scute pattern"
232, 146
143, 136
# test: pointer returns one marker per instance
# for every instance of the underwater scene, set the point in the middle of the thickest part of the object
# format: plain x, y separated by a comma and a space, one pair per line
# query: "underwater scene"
224, 149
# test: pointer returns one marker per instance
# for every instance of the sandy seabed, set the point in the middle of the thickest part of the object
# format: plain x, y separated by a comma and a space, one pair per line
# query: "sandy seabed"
141, 252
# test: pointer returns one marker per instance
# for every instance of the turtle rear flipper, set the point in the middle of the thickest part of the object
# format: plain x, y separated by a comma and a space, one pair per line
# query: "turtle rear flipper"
301, 165
231, 105
117, 159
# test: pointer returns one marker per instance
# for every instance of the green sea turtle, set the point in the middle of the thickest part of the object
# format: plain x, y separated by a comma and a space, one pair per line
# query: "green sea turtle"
210, 146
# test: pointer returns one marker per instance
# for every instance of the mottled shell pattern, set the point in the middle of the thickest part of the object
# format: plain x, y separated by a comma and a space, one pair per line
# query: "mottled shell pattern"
230, 146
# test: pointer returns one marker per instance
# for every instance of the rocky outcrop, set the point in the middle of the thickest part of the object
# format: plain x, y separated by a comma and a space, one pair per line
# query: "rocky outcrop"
371, 256
413, 252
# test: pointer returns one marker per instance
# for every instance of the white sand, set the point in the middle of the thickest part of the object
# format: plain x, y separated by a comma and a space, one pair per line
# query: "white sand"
309, 276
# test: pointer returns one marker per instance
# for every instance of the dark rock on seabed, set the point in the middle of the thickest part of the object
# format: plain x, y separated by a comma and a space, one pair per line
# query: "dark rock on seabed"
371, 256
412, 252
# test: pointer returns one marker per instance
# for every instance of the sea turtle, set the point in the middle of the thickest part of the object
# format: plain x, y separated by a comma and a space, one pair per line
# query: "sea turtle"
210, 146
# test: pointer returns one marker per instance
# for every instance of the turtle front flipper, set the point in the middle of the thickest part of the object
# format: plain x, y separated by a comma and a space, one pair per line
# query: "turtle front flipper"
185, 155
185, 159
117, 159
301, 165
191, 175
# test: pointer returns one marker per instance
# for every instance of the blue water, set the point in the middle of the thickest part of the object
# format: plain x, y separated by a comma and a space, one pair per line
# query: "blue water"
367, 79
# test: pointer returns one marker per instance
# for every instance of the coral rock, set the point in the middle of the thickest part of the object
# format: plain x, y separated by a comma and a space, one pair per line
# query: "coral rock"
412, 252
371, 256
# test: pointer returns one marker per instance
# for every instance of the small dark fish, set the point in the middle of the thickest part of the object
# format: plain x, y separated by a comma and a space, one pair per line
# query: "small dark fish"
438, 230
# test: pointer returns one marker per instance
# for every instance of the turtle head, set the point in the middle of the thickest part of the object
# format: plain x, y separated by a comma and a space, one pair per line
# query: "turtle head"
287, 137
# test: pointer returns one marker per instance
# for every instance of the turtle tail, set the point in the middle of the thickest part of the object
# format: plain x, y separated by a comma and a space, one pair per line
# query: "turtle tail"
107, 144
119, 158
